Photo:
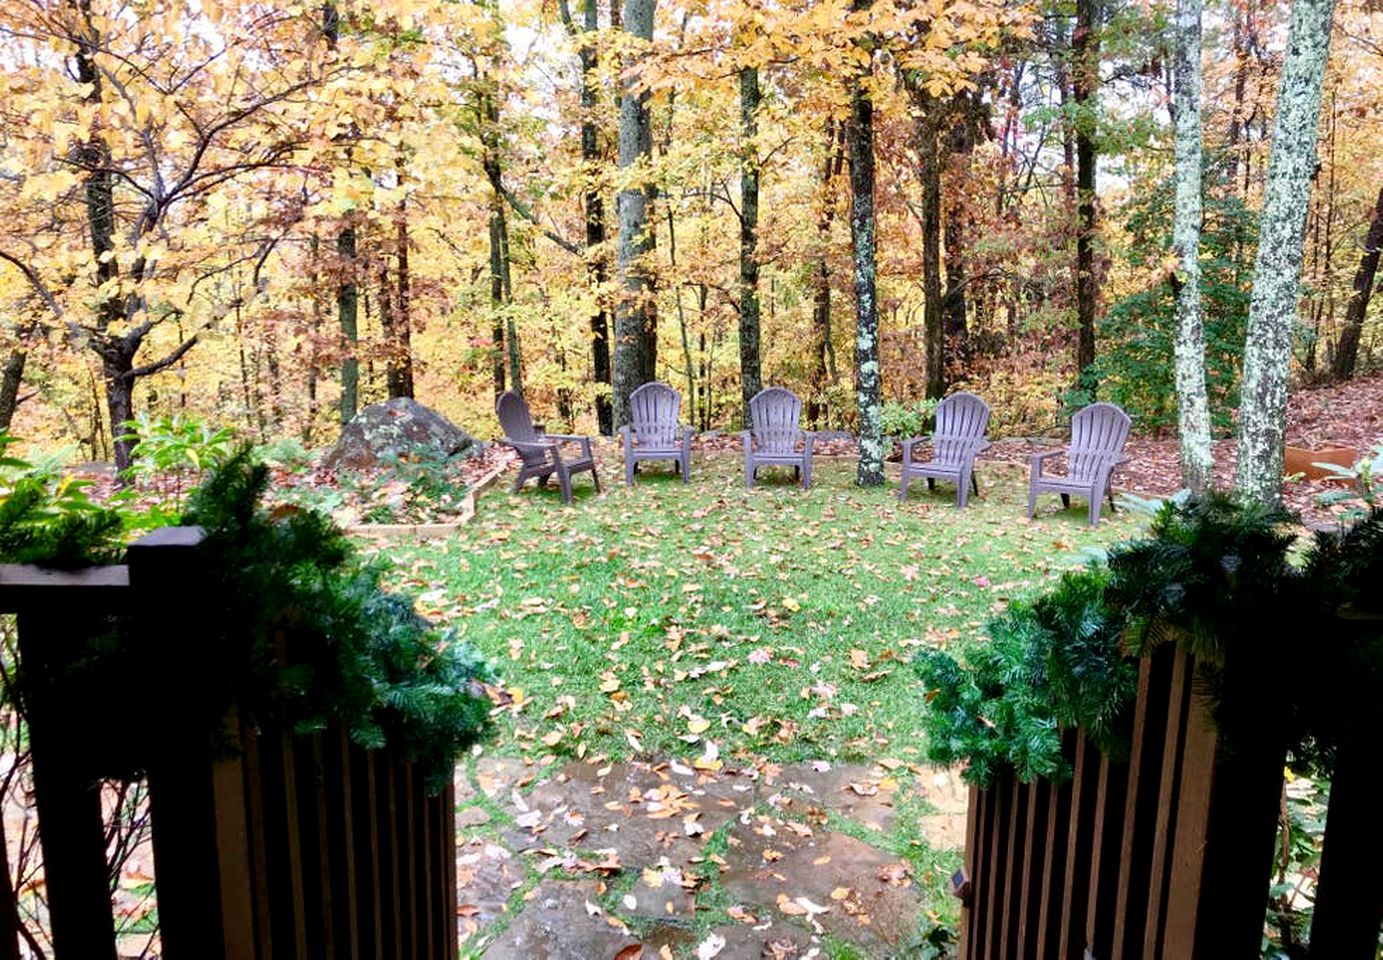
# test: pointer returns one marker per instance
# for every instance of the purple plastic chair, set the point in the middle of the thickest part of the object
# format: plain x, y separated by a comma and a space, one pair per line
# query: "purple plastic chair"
654, 433
1098, 433
540, 454
961, 420
774, 415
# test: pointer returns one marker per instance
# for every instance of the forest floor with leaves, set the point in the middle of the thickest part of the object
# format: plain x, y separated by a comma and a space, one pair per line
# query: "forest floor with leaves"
706, 700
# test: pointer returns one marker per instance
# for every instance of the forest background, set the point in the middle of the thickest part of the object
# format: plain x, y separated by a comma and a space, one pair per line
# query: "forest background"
269, 215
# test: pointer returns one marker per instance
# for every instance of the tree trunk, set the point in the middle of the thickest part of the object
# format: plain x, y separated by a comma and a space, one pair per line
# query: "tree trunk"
634, 315
502, 327
1347, 350
929, 172
10, 381
823, 347
1085, 48
1277, 272
399, 378
750, 379
347, 295
347, 317
594, 210
960, 147
1193, 409
868, 390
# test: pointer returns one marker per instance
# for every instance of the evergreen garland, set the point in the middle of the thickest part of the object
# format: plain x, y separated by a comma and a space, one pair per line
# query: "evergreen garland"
1050, 663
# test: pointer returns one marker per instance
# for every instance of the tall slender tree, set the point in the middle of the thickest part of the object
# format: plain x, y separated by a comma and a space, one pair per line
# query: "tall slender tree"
1347, 350
1277, 271
347, 291
635, 317
593, 202
750, 94
1085, 79
1193, 407
868, 384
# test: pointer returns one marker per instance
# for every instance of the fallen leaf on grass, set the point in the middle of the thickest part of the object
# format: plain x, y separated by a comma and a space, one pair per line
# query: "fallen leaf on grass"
710, 947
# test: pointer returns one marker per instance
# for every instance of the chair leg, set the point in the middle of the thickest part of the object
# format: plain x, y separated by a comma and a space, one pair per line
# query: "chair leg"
797, 473
1095, 503
975, 483
686, 468
1032, 500
595, 477
931, 484
807, 475
962, 492
629, 466
749, 471
518, 483
564, 480
1066, 501
903, 487
1109, 492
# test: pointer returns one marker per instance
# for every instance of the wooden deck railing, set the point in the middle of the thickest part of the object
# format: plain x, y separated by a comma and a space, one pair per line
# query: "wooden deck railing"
298, 847
1166, 856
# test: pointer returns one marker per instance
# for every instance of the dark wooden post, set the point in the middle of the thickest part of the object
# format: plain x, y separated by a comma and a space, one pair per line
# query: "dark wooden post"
196, 801
58, 612
1349, 894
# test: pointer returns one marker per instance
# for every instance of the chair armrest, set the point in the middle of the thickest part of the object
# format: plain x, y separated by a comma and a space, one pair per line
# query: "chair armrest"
808, 440
572, 438
535, 446
908, 444
1037, 459
982, 445
748, 437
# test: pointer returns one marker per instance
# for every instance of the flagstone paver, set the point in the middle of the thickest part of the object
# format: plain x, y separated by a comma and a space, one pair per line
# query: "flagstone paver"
595, 861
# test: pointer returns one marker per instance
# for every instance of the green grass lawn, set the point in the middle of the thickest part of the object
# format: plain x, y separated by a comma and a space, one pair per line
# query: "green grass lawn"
714, 624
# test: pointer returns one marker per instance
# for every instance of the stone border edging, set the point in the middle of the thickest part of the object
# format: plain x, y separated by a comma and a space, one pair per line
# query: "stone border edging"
430, 531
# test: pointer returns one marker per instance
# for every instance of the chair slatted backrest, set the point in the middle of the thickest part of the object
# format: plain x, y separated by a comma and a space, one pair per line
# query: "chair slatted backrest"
961, 420
654, 411
774, 414
1098, 433
516, 423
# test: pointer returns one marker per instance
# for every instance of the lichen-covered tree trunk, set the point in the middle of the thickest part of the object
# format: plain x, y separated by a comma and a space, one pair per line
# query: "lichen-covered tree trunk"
1193, 409
1347, 350
750, 379
1085, 78
634, 316
868, 388
1277, 272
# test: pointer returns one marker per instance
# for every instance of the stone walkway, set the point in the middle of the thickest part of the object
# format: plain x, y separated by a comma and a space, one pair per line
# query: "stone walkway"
637, 860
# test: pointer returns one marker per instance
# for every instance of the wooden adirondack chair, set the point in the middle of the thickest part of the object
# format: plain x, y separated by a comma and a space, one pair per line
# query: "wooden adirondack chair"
1098, 433
654, 433
774, 414
961, 420
540, 453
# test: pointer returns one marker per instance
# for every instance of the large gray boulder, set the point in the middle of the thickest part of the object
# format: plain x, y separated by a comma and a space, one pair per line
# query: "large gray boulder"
398, 429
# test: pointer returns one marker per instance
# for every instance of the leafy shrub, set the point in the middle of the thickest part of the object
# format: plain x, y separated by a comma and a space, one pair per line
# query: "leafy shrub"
170, 455
902, 421
1366, 485
49, 519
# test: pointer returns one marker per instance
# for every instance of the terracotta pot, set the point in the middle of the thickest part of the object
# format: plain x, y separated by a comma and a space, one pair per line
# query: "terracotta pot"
1299, 460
